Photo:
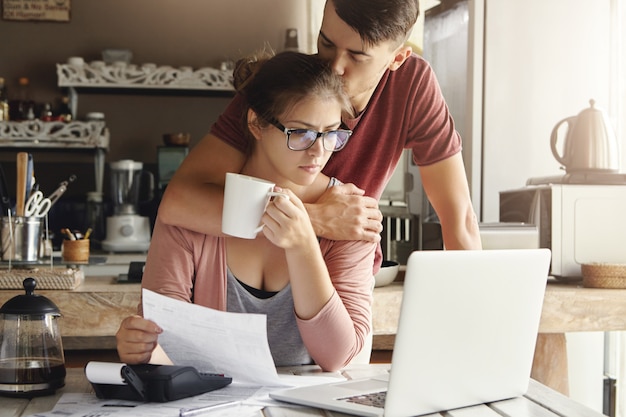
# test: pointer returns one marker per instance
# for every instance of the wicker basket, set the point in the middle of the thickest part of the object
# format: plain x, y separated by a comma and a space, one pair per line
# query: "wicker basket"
47, 278
603, 275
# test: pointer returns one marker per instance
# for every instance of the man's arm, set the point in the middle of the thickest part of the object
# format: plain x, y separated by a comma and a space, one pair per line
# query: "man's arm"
344, 213
446, 186
193, 199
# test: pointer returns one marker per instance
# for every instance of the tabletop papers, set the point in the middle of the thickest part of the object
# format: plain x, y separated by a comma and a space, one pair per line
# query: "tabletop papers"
234, 344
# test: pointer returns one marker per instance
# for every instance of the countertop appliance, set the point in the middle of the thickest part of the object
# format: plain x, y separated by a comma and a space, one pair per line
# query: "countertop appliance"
590, 144
126, 230
508, 236
580, 222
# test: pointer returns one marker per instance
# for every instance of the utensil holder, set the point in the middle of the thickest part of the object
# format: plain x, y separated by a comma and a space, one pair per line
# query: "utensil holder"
75, 250
21, 238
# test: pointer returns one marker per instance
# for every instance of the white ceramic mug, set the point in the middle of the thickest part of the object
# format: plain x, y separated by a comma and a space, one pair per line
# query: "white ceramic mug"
245, 200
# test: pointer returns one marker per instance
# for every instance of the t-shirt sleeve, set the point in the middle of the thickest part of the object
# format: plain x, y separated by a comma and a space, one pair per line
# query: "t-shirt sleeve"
228, 126
431, 133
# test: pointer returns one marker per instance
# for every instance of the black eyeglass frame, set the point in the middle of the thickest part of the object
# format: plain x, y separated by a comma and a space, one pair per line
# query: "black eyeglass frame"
323, 135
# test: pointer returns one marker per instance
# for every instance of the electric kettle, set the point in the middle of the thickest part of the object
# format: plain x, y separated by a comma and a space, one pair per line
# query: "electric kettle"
31, 352
590, 143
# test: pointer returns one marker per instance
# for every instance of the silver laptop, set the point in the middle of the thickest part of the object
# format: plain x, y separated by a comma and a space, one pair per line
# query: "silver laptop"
466, 335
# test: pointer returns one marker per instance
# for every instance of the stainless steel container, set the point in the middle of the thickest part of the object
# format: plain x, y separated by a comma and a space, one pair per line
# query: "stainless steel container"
21, 238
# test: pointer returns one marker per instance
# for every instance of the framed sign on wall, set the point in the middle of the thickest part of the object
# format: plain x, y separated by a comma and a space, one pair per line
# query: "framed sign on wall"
38, 10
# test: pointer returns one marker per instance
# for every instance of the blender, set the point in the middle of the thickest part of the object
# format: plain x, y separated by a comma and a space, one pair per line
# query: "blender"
126, 230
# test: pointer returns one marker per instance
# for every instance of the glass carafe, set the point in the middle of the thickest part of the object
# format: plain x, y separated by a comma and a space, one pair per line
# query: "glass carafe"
126, 180
31, 351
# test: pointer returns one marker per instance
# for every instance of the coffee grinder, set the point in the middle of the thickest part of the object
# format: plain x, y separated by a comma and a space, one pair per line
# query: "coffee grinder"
126, 230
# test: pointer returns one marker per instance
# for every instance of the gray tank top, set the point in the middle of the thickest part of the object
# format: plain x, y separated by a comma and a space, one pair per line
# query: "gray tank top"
283, 336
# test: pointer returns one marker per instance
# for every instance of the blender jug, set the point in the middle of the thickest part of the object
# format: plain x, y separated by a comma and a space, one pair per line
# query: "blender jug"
126, 180
127, 230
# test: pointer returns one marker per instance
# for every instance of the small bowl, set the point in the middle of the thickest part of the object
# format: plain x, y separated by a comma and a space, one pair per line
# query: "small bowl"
176, 139
75, 61
386, 274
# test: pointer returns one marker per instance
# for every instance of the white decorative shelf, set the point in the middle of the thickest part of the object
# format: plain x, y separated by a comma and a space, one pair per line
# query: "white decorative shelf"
38, 134
97, 74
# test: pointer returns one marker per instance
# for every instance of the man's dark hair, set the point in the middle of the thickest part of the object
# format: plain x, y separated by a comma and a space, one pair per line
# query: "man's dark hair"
379, 20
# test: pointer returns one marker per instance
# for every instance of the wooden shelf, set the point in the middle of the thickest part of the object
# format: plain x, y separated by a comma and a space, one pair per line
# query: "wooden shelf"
144, 77
38, 134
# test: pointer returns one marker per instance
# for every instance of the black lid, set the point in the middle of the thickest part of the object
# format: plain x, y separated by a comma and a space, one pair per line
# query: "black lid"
29, 303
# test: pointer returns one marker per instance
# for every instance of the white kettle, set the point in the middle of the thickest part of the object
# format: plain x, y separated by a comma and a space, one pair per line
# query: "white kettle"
590, 144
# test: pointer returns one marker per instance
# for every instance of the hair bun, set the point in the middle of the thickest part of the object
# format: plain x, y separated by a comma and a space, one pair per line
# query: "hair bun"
247, 68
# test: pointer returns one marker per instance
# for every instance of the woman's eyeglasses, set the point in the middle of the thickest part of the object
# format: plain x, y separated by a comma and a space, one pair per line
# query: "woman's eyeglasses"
303, 139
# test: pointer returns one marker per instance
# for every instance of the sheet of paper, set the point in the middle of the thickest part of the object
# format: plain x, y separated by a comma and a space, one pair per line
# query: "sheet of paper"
250, 400
87, 405
215, 341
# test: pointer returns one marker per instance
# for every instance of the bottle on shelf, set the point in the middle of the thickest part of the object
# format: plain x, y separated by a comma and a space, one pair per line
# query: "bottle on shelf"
46, 113
4, 101
64, 112
23, 107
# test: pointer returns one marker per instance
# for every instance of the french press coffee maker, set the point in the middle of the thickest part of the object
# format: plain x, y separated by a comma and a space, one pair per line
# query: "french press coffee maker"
31, 352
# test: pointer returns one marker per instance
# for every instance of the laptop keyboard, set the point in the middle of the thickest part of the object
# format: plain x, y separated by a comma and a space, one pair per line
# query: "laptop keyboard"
374, 399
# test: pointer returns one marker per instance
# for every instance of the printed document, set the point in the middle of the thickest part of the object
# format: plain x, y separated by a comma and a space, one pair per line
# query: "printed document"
234, 344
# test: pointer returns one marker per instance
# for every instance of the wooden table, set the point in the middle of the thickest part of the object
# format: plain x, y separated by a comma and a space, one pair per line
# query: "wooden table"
92, 313
538, 401
569, 307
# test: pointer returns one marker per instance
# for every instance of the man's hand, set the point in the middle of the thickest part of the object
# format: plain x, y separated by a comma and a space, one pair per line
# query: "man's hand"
344, 213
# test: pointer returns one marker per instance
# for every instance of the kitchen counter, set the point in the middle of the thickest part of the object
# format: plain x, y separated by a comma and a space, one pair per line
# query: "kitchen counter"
92, 313
115, 264
100, 263
95, 308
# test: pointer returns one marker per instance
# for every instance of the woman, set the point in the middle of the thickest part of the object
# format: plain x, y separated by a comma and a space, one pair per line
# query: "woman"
316, 293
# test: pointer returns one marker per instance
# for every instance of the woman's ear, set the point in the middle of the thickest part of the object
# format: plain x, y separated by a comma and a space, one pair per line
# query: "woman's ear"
253, 124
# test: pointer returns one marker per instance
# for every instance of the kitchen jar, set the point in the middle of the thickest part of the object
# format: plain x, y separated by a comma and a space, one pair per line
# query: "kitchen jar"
20, 238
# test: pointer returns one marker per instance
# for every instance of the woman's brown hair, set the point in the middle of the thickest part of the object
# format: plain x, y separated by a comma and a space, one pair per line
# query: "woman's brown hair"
273, 84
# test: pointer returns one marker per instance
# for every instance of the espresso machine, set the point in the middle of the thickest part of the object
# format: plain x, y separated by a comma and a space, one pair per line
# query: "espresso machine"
126, 230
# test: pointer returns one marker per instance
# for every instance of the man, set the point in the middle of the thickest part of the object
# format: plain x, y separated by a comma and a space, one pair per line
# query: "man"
398, 105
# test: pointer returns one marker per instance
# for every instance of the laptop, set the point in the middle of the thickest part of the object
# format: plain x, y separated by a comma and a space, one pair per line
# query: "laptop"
466, 335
